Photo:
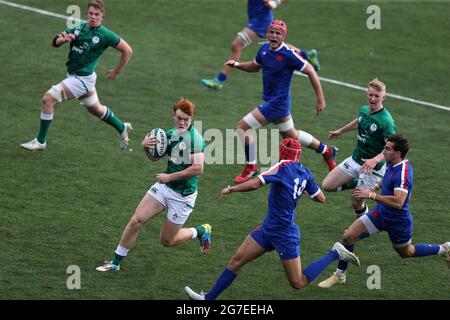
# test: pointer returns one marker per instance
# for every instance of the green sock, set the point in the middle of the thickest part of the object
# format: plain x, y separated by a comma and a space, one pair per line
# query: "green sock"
350, 185
200, 231
45, 124
117, 259
111, 119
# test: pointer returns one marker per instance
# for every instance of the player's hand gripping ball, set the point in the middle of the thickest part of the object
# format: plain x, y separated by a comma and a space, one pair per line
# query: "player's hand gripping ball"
160, 148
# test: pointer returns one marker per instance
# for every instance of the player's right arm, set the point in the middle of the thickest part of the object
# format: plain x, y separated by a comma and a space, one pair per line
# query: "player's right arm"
62, 38
250, 185
249, 66
352, 125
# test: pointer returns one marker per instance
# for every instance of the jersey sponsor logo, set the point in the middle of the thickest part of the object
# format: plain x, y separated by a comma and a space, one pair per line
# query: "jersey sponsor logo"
76, 49
359, 119
76, 32
373, 127
84, 46
362, 139
182, 146
95, 40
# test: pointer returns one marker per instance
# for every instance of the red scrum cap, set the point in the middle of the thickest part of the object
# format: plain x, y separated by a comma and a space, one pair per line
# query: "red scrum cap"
290, 149
281, 25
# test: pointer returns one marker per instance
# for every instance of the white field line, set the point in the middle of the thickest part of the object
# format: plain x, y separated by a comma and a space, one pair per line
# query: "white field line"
40, 11
336, 82
396, 96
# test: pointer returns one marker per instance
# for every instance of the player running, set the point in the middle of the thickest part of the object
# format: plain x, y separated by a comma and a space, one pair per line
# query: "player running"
174, 191
289, 180
391, 213
87, 41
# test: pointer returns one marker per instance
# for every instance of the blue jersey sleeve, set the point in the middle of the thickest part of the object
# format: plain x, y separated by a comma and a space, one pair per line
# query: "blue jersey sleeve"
311, 187
295, 61
403, 177
258, 59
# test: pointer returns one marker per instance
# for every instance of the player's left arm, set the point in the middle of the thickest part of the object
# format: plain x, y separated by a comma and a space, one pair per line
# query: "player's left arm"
196, 169
126, 53
396, 201
250, 185
315, 82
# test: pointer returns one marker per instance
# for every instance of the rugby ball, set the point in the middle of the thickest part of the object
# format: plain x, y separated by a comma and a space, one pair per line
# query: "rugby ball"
161, 145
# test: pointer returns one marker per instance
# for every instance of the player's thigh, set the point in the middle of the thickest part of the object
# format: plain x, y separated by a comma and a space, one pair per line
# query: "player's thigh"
355, 232
147, 208
252, 34
253, 120
336, 178
248, 251
285, 126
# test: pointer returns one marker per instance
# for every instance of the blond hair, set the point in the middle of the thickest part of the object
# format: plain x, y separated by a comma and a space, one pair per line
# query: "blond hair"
97, 4
378, 85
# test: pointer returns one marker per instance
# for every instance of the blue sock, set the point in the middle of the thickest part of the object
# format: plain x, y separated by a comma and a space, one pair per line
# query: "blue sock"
426, 250
315, 268
223, 282
250, 152
342, 265
321, 147
221, 77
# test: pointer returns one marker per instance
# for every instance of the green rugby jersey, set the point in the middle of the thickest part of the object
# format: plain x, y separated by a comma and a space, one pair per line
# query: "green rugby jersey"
181, 147
87, 48
373, 129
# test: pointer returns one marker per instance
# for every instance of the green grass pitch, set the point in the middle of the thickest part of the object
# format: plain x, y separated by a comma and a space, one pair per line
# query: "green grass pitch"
68, 205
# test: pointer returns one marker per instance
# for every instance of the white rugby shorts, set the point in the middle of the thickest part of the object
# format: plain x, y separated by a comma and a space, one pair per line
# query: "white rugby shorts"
178, 207
352, 168
80, 85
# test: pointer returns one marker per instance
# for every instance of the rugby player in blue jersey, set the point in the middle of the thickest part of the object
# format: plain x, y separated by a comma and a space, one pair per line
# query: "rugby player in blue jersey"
289, 180
259, 18
391, 213
278, 63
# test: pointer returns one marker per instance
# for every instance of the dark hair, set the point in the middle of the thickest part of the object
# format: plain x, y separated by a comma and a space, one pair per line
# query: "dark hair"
400, 143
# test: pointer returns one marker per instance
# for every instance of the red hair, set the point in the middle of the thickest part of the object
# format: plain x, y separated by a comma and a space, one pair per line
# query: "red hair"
184, 105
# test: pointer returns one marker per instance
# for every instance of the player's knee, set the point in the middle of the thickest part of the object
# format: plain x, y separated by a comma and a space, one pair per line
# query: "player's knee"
236, 47
48, 101
348, 238
166, 242
135, 223
235, 263
407, 252
327, 186
298, 284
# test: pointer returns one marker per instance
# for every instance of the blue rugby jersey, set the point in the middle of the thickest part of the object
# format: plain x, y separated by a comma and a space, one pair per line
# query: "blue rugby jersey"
399, 176
288, 180
278, 66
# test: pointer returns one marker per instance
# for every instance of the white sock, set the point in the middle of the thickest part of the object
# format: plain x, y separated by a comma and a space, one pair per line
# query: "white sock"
442, 250
121, 251
194, 233
340, 273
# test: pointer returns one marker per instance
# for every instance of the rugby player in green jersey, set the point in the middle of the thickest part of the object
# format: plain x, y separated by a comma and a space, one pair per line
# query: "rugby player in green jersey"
365, 168
87, 41
174, 191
